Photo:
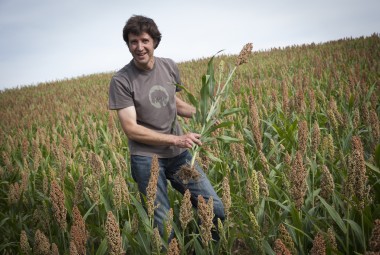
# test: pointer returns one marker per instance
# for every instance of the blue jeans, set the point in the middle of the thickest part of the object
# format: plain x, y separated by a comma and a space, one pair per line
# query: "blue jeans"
140, 167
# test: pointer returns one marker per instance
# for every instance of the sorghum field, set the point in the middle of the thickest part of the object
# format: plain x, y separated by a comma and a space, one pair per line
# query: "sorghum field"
296, 161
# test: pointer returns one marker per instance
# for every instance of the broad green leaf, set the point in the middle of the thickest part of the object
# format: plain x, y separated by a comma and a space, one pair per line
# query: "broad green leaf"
190, 96
377, 155
212, 157
299, 230
214, 127
89, 211
231, 111
268, 249
102, 249
142, 213
334, 215
228, 139
372, 167
205, 98
357, 231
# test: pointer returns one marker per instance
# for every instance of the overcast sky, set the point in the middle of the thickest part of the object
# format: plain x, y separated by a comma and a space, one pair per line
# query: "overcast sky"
47, 40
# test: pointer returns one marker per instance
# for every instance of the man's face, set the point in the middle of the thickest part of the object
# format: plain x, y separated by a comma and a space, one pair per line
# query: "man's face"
142, 49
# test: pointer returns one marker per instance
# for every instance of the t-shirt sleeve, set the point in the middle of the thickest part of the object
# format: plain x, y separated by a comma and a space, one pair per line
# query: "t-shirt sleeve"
120, 95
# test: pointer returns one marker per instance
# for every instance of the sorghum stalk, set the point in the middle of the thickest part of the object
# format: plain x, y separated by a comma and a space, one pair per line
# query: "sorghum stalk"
208, 112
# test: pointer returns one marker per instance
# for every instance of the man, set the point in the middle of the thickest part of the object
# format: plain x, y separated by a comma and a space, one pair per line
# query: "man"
144, 95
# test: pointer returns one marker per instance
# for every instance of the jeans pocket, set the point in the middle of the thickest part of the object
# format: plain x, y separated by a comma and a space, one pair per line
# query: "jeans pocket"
140, 169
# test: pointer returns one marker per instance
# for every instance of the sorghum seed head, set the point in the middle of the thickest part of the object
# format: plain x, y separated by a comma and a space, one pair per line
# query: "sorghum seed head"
374, 241
151, 190
327, 183
280, 248
169, 226
206, 215
79, 188
331, 239
262, 184
24, 243
256, 228
117, 197
57, 198
255, 123
356, 183
54, 249
41, 244
78, 231
226, 197
297, 178
316, 136
286, 238
135, 224
302, 136
156, 240
113, 234
319, 246
174, 247
244, 54
264, 162
73, 248
186, 210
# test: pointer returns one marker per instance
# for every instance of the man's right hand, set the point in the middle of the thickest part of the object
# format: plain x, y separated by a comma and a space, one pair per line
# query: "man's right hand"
188, 140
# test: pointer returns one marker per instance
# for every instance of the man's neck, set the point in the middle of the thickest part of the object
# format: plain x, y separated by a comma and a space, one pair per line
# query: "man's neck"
149, 66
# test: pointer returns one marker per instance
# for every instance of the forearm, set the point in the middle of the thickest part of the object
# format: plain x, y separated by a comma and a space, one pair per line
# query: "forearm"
141, 134
145, 135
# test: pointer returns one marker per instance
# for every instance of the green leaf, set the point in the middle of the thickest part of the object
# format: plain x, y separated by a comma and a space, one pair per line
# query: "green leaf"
231, 111
212, 157
190, 96
268, 249
299, 230
102, 247
228, 139
377, 155
142, 213
198, 247
205, 98
334, 215
372, 167
286, 208
88, 212
214, 127
357, 231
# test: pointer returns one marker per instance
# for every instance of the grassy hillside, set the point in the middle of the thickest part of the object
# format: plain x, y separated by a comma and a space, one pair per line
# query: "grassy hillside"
297, 165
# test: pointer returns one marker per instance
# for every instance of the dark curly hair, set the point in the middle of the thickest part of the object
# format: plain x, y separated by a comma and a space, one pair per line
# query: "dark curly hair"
138, 24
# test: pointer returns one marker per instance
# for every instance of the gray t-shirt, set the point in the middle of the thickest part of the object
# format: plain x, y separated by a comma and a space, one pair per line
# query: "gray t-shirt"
152, 93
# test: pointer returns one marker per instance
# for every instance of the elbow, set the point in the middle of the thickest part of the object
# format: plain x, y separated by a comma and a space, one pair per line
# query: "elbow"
131, 135
128, 131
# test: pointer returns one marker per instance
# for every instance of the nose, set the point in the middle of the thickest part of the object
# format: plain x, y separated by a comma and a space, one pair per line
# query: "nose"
139, 46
